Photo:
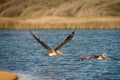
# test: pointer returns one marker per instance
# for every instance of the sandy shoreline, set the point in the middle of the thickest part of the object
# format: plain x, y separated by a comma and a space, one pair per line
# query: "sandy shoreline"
4, 75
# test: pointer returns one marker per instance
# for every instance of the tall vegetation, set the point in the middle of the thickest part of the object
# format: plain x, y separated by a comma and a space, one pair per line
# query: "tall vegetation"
59, 14
60, 23
69, 8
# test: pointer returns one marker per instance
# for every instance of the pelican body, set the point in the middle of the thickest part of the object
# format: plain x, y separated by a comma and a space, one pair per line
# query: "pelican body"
97, 57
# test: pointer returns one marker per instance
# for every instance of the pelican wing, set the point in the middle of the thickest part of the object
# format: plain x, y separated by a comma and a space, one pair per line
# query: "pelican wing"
69, 38
86, 58
41, 42
113, 58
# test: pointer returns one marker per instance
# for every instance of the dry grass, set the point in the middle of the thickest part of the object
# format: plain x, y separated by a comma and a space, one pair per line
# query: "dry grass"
60, 23
67, 8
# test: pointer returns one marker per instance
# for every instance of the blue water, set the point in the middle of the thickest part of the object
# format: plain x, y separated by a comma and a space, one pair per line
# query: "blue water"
22, 54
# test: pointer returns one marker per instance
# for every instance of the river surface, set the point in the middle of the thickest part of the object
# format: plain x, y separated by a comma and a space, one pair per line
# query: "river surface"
22, 54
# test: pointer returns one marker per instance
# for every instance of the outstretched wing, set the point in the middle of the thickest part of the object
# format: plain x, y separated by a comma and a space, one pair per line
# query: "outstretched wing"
113, 58
69, 38
86, 58
41, 42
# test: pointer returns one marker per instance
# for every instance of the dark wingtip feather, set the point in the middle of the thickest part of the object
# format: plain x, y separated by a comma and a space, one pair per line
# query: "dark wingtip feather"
113, 58
79, 59
30, 32
73, 32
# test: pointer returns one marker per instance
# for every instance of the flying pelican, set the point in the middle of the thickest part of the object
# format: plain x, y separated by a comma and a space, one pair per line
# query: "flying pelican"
97, 57
56, 51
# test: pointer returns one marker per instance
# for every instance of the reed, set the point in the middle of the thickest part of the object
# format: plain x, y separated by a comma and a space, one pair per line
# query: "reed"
59, 23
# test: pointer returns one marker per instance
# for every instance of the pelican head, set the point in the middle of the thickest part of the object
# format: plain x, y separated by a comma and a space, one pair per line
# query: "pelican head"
104, 55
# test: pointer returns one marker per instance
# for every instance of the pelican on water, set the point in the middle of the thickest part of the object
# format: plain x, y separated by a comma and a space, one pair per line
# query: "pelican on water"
56, 51
97, 57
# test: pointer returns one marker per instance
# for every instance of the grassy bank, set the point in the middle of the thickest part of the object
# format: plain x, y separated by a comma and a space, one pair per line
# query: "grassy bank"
59, 23
61, 8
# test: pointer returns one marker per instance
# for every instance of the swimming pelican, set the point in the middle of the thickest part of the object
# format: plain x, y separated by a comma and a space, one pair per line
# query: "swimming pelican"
56, 51
97, 57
